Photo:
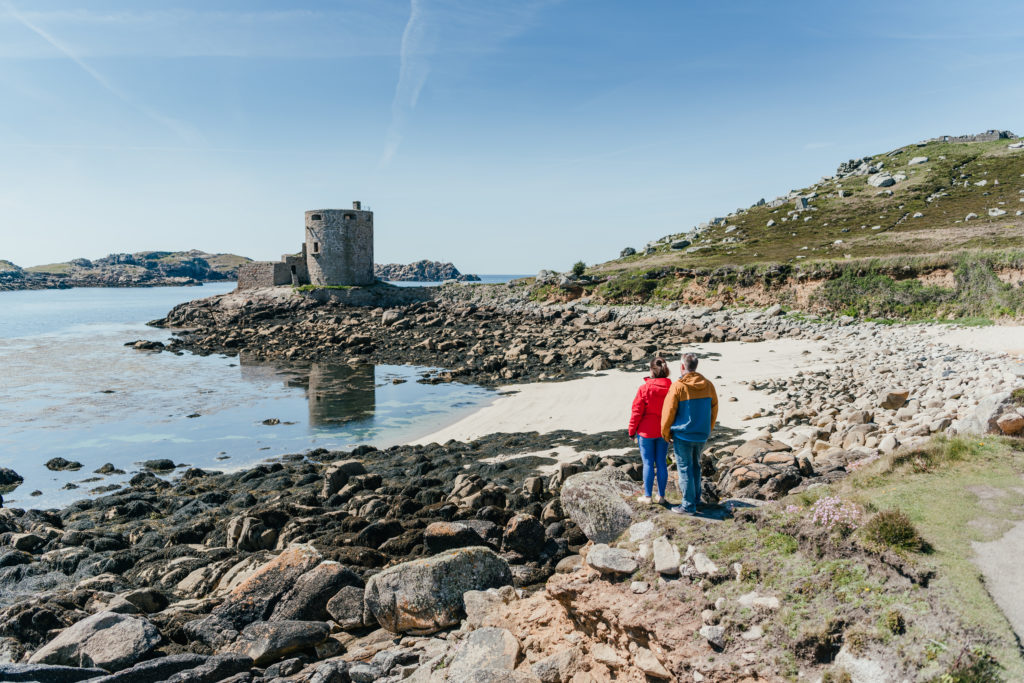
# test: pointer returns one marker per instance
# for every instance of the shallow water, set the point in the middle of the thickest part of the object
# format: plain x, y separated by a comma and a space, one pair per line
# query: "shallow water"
70, 388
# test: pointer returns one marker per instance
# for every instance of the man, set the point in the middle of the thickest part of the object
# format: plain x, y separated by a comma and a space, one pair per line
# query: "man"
687, 418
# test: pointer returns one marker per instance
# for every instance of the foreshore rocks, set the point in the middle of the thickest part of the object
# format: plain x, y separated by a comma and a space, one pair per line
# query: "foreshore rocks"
482, 340
154, 582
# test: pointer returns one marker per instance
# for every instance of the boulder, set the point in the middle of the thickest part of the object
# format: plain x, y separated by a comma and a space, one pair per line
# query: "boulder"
442, 536
255, 598
215, 669
608, 560
985, 418
424, 596
881, 180
646, 661
486, 649
159, 669
268, 642
338, 474
597, 502
346, 608
559, 667
894, 399
308, 598
47, 673
755, 449
524, 535
1010, 424
666, 556
105, 640
9, 480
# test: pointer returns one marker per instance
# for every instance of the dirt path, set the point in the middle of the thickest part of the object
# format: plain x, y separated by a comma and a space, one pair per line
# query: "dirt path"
1000, 564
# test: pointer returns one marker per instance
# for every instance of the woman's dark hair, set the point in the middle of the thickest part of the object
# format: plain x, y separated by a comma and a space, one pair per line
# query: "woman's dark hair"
659, 368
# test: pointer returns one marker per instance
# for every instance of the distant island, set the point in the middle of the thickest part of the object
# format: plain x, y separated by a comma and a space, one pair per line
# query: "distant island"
181, 268
421, 271
141, 269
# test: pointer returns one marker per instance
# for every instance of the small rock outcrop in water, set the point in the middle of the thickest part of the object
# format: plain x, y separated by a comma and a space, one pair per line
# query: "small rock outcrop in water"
421, 271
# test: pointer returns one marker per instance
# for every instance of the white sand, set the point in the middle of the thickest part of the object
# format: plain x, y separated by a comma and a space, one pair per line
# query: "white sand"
601, 402
996, 338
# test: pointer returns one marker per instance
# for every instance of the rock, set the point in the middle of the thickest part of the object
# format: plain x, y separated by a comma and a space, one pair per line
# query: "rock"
442, 536
338, 474
881, 180
391, 317
755, 449
307, 600
596, 502
985, 417
666, 556
598, 363
917, 160
1010, 424
559, 667
773, 310
606, 655
9, 480
569, 564
104, 640
215, 669
996, 212
715, 635
159, 465
255, 598
480, 605
346, 608
755, 632
645, 660
486, 649
608, 560
268, 642
46, 673
640, 587
861, 669
894, 399
628, 251
640, 531
524, 534
60, 465
424, 596
757, 601
703, 564
159, 669
249, 533
679, 245
970, 216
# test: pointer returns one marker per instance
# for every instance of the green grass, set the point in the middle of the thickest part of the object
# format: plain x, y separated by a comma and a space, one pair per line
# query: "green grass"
6, 266
313, 288
51, 268
937, 487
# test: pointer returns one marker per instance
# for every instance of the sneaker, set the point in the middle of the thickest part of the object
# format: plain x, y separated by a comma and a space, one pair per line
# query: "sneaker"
656, 499
680, 510
643, 499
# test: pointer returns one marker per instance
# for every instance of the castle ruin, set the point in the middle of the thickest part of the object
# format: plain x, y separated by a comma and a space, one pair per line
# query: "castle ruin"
337, 251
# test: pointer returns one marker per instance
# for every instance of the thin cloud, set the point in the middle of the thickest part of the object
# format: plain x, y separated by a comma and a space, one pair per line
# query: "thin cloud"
185, 133
412, 76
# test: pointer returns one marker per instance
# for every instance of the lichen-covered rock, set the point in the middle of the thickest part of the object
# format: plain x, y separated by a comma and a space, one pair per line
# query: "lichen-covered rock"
105, 640
308, 598
598, 503
442, 536
608, 560
524, 535
424, 596
489, 648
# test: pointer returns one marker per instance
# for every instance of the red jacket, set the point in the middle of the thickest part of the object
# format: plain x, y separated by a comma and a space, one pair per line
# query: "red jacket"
645, 419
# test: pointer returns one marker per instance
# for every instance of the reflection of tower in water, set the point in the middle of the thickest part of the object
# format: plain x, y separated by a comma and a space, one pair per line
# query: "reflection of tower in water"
340, 393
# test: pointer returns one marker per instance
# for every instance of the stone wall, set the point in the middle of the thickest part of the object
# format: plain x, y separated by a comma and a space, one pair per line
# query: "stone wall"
263, 274
339, 247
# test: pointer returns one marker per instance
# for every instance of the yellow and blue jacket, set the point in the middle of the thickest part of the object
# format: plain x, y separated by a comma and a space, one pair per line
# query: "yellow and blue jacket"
690, 409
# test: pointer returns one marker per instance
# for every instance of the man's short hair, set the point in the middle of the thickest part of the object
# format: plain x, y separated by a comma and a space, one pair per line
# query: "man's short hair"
690, 362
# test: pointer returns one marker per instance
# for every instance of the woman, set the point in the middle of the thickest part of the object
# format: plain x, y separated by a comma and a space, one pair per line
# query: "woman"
645, 427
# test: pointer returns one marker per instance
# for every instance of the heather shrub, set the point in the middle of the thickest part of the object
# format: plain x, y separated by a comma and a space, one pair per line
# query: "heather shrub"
893, 529
836, 514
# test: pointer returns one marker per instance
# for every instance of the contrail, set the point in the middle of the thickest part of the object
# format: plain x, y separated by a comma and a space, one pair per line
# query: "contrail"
182, 131
412, 75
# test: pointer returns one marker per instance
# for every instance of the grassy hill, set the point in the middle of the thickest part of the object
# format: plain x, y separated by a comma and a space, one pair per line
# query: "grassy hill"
944, 238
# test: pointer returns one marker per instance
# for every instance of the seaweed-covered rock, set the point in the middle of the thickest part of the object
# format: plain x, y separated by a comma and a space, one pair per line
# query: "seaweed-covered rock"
598, 503
424, 596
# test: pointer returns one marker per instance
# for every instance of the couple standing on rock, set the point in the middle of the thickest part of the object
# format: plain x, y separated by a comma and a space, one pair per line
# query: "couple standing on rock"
681, 413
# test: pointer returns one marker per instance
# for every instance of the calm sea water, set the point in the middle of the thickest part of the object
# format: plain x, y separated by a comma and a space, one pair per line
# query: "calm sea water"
70, 388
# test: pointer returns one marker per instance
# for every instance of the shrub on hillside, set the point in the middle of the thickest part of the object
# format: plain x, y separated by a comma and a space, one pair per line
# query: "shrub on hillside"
579, 268
893, 529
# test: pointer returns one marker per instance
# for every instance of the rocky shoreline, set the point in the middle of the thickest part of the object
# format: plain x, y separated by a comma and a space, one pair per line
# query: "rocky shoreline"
495, 560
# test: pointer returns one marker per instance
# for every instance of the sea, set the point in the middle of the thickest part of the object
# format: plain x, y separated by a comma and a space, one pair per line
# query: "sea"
71, 389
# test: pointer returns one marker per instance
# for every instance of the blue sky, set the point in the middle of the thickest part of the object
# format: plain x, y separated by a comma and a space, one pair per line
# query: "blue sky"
503, 135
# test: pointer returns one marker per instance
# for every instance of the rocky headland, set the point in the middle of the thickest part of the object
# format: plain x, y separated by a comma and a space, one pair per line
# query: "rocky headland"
421, 271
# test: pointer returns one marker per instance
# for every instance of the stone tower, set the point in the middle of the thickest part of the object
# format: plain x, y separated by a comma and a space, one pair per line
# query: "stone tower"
339, 246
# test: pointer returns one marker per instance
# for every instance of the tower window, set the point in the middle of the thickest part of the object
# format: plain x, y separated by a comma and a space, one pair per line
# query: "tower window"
316, 247
316, 217
349, 216
293, 270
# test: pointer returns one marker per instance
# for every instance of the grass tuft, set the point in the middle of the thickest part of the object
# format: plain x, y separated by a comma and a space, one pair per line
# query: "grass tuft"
893, 529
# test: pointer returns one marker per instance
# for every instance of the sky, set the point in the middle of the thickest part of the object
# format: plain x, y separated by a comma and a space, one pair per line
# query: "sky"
505, 136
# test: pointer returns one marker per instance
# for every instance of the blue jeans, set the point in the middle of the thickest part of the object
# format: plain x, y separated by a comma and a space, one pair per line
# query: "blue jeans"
688, 465
654, 453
